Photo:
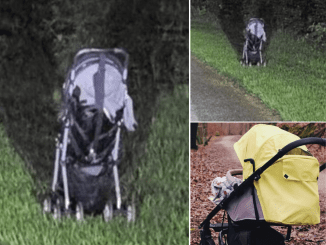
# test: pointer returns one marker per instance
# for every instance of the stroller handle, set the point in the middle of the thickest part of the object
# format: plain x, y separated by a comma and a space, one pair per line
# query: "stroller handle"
258, 172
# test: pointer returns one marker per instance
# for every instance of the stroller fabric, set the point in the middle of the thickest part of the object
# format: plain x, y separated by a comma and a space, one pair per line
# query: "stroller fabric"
255, 27
114, 89
288, 190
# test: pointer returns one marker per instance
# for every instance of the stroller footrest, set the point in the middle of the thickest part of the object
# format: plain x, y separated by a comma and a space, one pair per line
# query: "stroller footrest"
219, 226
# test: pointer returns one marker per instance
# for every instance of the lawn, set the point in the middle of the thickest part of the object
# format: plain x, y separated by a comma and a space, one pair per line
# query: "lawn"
161, 179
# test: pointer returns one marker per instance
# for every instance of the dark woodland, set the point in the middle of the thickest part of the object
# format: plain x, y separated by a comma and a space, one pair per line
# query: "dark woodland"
297, 17
38, 40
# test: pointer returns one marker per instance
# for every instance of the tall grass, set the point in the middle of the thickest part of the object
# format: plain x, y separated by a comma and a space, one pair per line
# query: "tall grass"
293, 83
161, 180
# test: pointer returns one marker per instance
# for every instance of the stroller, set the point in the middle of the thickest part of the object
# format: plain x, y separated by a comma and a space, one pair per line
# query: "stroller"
252, 49
279, 188
96, 106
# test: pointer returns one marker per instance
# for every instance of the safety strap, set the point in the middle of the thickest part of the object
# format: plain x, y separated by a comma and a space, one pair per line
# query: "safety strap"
256, 27
106, 150
252, 161
74, 144
254, 201
81, 132
98, 81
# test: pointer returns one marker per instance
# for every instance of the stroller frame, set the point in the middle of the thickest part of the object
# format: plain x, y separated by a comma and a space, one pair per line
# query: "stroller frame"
245, 57
205, 233
63, 140
250, 37
60, 159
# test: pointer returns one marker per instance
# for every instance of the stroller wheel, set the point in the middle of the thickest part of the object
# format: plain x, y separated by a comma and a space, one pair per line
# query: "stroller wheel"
264, 63
250, 64
131, 213
47, 205
241, 62
258, 63
79, 212
57, 210
208, 241
108, 212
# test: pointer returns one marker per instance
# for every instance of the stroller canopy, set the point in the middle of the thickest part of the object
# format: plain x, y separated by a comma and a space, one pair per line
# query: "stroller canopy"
113, 94
287, 190
255, 26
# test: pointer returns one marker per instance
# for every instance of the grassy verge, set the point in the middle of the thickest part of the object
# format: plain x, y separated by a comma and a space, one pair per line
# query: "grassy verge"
293, 83
162, 181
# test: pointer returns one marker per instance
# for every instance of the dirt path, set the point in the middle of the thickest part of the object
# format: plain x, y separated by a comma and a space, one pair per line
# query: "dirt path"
322, 183
207, 163
215, 160
216, 98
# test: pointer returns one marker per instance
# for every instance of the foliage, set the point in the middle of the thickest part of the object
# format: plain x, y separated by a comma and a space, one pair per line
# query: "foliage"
305, 130
317, 34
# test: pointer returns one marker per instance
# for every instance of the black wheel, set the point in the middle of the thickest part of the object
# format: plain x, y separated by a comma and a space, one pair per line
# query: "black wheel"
57, 210
131, 213
108, 211
208, 241
79, 212
47, 205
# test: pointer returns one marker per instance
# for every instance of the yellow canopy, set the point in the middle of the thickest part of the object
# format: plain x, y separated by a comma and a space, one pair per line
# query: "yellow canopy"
288, 190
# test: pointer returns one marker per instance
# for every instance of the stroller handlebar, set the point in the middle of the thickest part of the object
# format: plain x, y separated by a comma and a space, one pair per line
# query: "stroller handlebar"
258, 172
305, 141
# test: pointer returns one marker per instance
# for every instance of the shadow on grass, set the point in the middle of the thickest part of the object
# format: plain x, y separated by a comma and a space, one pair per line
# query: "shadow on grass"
29, 113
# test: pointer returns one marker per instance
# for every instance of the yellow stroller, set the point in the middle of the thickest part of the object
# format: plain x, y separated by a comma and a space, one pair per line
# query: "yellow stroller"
279, 188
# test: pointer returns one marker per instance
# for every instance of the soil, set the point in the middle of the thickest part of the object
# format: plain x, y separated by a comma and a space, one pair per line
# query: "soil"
214, 160
217, 98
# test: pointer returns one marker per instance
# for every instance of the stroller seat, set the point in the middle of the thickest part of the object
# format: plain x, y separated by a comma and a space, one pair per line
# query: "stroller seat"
254, 43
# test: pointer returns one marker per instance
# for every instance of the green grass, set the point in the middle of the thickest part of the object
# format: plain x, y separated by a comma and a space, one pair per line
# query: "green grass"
293, 83
162, 182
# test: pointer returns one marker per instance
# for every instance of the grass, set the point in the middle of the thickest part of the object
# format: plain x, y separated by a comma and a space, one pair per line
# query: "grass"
162, 182
293, 83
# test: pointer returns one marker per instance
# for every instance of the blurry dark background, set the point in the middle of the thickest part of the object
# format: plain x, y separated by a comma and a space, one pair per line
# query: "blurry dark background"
295, 16
38, 39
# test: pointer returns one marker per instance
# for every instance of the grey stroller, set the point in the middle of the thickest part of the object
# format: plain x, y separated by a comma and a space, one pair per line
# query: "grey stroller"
96, 107
252, 49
